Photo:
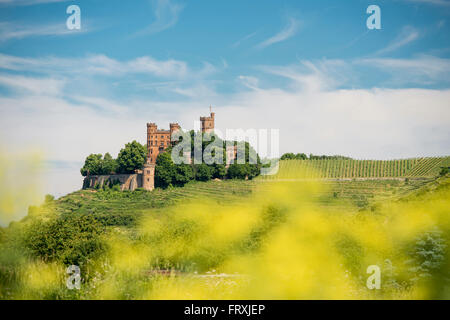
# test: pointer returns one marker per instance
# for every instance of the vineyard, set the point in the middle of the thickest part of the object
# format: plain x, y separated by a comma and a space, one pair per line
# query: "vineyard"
350, 169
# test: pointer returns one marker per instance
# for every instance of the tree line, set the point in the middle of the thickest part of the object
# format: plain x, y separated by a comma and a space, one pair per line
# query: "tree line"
303, 156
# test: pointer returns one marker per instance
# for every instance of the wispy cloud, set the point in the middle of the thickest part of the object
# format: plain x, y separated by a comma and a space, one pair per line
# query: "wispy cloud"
9, 30
28, 2
39, 86
421, 69
166, 16
249, 82
407, 35
98, 65
434, 2
237, 43
289, 31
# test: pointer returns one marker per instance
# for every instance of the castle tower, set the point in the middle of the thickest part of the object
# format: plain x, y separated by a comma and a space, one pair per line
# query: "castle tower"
158, 140
174, 127
207, 123
148, 176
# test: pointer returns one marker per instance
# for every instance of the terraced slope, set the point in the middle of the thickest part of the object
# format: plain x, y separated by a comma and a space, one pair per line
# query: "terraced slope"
350, 169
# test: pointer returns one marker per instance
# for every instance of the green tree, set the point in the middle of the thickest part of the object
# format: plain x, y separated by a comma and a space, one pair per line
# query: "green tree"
92, 165
131, 157
301, 156
183, 174
203, 172
288, 156
165, 170
108, 164
238, 171
219, 171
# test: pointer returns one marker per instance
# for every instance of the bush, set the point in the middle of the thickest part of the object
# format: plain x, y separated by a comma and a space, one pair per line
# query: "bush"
203, 172
70, 239
444, 171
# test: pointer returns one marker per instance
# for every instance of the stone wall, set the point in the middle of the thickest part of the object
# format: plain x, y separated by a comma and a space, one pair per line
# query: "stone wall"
126, 181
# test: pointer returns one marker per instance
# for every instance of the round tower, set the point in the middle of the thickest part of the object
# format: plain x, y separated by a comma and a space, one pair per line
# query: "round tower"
148, 176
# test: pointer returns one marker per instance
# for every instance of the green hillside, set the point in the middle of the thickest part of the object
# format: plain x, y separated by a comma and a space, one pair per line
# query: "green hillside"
116, 208
127, 243
350, 169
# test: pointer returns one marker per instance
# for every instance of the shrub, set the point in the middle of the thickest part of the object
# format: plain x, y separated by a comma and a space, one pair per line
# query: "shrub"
70, 239
203, 172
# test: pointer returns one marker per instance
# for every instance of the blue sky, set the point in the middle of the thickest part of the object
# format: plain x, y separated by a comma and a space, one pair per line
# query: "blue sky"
309, 68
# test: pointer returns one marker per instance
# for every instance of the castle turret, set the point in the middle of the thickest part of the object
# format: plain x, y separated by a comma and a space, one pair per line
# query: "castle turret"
148, 176
174, 127
207, 123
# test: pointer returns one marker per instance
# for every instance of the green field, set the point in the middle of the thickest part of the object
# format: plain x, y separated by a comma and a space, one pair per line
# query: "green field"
350, 169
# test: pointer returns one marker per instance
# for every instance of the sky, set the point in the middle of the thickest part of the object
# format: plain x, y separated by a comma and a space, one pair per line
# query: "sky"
311, 69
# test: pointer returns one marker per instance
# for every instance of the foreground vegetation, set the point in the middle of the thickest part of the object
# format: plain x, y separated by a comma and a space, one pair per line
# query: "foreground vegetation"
235, 239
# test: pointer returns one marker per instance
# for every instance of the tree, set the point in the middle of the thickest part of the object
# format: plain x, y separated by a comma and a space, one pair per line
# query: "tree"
219, 171
92, 165
444, 171
288, 156
238, 171
164, 171
183, 174
131, 157
109, 165
203, 172
301, 156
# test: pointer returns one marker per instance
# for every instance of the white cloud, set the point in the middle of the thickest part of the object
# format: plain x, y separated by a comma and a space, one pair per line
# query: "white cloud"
16, 30
168, 68
312, 76
28, 2
249, 82
237, 43
420, 69
166, 16
407, 35
30, 85
434, 2
289, 31
99, 65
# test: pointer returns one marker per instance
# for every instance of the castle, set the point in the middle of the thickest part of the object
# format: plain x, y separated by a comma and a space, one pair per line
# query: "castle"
157, 142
